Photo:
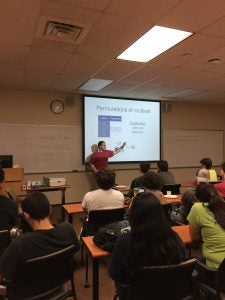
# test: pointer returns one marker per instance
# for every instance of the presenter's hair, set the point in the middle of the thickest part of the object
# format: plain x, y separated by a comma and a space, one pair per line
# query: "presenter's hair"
36, 204
2, 175
207, 162
163, 165
100, 143
145, 167
105, 178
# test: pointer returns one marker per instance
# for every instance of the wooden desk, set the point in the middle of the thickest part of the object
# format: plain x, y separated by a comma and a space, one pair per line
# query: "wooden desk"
122, 188
184, 233
73, 208
96, 253
53, 189
13, 179
172, 200
189, 184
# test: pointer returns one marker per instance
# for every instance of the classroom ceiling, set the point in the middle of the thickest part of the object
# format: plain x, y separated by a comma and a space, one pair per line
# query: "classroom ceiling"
30, 59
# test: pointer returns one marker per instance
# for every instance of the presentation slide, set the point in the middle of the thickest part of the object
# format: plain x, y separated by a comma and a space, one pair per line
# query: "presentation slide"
114, 120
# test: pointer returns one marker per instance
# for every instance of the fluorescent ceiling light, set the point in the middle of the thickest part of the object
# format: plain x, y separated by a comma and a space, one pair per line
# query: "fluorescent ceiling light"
95, 84
153, 43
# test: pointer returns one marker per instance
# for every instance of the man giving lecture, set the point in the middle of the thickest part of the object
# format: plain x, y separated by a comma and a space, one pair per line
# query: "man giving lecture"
99, 159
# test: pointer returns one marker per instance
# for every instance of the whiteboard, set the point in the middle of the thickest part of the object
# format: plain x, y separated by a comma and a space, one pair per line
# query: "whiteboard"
186, 147
42, 148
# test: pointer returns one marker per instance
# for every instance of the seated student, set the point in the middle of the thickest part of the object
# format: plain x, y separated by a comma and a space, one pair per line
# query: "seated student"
164, 174
151, 241
8, 207
179, 215
43, 240
221, 186
207, 224
152, 184
206, 164
105, 197
137, 182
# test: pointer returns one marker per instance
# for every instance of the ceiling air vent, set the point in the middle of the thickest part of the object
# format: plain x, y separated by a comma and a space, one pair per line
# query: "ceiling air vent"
62, 32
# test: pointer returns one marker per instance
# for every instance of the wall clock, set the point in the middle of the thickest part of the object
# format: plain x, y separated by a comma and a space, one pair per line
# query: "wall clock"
57, 106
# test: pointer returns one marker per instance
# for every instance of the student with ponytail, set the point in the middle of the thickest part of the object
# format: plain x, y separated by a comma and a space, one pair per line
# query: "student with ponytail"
207, 223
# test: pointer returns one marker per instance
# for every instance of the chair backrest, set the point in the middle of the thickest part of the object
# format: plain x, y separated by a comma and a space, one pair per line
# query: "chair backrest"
105, 216
167, 208
11, 193
221, 277
5, 240
162, 282
98, 218
174, 188
42, 274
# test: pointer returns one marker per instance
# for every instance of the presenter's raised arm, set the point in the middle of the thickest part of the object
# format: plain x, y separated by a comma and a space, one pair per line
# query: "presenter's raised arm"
117, 150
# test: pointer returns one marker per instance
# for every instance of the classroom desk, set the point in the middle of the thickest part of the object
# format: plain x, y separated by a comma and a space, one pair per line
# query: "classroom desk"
176, 200
96, 253
74, 208
52, 189
189, 184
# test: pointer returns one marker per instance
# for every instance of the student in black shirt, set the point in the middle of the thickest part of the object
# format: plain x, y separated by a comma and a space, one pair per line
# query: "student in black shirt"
8, 207
43, 240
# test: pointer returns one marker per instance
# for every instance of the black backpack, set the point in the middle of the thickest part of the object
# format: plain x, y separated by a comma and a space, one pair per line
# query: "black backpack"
107, 235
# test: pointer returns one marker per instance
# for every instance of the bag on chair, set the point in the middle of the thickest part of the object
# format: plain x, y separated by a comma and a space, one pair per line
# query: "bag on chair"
107, 235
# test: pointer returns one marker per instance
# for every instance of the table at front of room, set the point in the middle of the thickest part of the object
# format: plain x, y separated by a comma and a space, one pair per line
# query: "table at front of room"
53, 189
96, 253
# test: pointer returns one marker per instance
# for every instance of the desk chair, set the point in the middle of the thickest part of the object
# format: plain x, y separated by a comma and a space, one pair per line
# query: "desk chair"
161, 282
5, 240
174, 188
167, 208
96, 219
18, 199
217, 277
44, 277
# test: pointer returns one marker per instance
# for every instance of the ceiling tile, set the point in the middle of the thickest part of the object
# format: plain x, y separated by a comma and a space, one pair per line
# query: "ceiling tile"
174, 76
70, 12
13, 55
17, 20
119, 87
145, 10
47, 60
202, 63
10, 76
217, 28
90, 4
112, 34
190, 49
37, 79
117, 69
192, 15
147, 73
80, 65
67, 82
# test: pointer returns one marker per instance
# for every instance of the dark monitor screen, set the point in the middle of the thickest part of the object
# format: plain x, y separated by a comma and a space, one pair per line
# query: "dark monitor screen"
6, 161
